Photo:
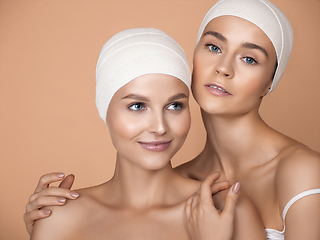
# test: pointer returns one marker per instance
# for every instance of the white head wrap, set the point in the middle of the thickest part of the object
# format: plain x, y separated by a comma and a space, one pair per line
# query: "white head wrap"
266, 16
133, 53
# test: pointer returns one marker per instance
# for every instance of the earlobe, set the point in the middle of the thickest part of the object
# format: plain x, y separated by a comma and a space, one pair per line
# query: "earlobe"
266, 92
267, 89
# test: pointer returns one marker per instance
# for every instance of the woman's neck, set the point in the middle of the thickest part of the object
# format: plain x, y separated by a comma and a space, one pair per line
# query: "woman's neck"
235, 143
138, 188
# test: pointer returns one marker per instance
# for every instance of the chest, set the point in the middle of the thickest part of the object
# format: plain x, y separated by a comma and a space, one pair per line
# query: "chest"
260, 186
155, 225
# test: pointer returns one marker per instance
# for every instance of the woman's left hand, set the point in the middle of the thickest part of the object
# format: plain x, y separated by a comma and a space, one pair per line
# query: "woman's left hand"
204, 221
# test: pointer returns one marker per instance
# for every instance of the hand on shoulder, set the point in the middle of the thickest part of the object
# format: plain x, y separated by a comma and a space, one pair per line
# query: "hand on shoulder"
64, 223
48, 196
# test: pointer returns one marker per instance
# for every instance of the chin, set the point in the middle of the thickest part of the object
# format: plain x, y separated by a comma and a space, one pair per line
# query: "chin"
156, 164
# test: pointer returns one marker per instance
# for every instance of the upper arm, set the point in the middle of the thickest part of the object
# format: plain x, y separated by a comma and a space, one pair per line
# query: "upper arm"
248, 224
297, 173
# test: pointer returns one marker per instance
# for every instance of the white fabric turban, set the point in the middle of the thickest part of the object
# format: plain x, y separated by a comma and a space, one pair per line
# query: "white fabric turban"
133, 53
268, 17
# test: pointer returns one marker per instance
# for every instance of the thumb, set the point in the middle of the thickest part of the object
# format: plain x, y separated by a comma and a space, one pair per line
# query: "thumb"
67, 182
231, 199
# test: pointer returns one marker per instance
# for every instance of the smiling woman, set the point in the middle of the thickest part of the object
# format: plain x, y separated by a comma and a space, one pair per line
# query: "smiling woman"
137, 109
142, 93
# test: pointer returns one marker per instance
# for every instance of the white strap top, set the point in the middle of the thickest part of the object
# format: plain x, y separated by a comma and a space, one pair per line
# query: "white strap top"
273, 234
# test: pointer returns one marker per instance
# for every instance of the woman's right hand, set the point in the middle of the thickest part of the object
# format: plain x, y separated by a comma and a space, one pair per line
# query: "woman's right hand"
204, 220
48, 196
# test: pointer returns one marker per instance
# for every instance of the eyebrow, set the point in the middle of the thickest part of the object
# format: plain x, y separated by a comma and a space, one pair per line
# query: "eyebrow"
254, 46
177, 96
217, 35
245, 45
145, 99
137, 97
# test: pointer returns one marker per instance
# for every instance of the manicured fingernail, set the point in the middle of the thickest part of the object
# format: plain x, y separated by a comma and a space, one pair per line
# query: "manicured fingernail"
74, 194
236, 188
61, 200
46, 212
60, 175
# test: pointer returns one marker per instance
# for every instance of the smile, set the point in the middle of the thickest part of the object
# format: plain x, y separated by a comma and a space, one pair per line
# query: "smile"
217, 90
156, 146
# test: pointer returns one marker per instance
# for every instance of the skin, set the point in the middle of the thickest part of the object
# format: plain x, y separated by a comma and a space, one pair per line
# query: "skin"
145, 191
271, 167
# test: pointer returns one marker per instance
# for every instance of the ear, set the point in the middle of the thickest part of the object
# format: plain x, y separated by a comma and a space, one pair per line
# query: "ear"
266, 89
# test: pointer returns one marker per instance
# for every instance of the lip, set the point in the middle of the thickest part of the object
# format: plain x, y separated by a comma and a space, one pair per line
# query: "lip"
217, 89
155, 146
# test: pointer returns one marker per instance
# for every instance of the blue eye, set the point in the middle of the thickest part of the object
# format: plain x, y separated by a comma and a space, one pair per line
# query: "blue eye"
249, 60
213, 48
137, 106
175, 106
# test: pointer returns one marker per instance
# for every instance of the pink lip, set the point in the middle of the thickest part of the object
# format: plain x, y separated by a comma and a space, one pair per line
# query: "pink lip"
156, 146
216, 91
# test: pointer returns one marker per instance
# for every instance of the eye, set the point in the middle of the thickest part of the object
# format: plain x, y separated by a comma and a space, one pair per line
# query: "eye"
137, 106
175, 106
213, 48
249, 60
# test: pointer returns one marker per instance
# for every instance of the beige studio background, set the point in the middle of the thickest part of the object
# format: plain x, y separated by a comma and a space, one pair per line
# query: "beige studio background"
48, 118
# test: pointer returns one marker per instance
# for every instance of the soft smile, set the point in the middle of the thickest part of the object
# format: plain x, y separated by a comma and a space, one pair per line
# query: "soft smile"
156, 146
217, 89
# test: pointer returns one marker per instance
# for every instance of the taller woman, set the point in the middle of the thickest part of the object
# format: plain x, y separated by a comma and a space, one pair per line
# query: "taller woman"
243, 47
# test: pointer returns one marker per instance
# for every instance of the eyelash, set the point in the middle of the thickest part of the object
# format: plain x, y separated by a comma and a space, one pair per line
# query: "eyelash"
179, 104
208, 45
255, 62
130, 107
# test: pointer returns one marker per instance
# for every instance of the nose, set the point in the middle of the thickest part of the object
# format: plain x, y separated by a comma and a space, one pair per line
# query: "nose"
224, 67
157, 124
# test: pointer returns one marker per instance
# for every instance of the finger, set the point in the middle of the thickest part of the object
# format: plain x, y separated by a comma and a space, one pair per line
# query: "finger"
45, 201
205, 189
188, 207
59, 192
231, 200
195, 201
219, 186
33, 197
34, 215
46, 179
67, 182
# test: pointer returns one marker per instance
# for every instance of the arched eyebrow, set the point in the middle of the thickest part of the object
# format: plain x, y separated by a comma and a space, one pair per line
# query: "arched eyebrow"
217, 35
177, 97
254, 46
245, 45
145, 99
137, 97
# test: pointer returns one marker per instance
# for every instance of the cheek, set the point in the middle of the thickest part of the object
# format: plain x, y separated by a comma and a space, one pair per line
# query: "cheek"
180, 125
197, 73
254, 82
124, 128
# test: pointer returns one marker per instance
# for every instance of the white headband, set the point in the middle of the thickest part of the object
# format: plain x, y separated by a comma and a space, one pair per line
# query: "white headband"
267, 16
133, 53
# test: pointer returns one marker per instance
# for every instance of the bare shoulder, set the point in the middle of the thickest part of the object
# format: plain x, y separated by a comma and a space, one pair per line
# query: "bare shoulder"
65, 222
298, 170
